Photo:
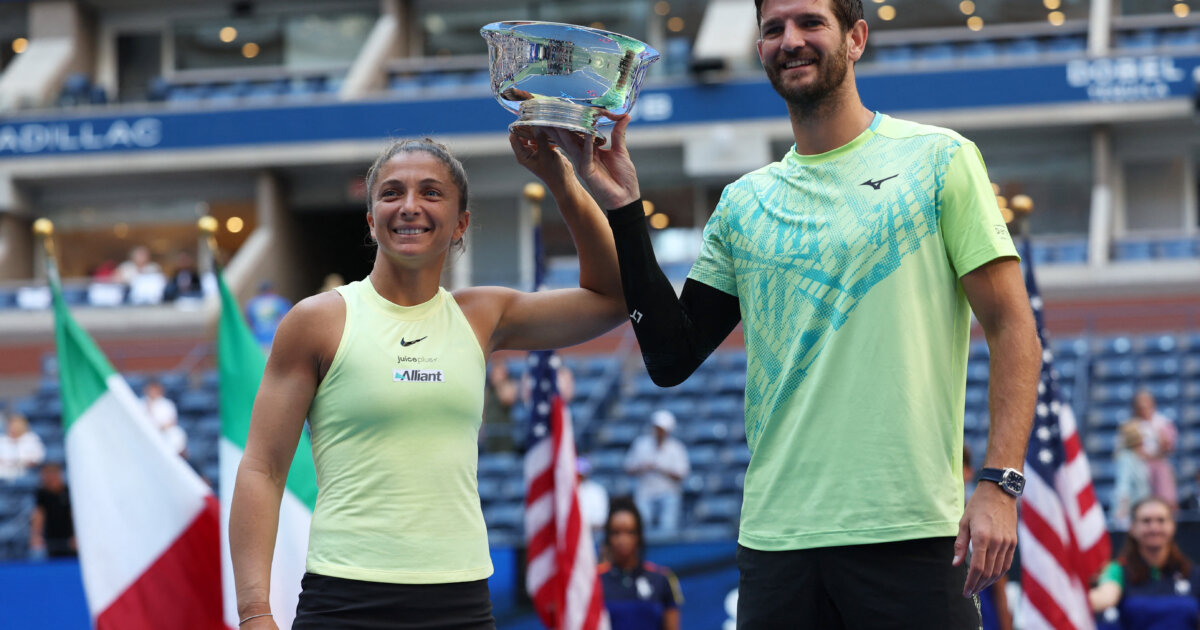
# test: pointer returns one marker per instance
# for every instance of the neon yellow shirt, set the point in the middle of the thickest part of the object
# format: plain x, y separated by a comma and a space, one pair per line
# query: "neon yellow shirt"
847, 267
395, 425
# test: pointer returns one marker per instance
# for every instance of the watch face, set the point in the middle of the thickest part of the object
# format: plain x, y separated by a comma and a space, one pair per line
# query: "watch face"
1013, 482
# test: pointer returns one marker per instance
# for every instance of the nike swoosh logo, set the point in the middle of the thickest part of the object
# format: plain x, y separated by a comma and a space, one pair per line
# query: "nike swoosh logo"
409, 343
877, 183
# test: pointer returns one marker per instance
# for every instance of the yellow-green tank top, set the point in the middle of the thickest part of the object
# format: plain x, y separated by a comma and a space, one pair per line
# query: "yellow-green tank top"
395, 425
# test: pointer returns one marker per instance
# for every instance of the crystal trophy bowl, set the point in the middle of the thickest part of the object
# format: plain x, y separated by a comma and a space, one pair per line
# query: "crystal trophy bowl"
562, 75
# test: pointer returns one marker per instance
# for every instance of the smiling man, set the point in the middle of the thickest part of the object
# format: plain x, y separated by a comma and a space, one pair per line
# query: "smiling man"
854, 264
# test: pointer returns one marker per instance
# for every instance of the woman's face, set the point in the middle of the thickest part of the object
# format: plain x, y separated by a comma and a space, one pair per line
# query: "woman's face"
622, 536
415, 206
1152, 526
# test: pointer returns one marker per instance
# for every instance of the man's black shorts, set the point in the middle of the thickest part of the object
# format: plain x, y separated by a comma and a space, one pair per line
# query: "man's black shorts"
902, 585
329, 602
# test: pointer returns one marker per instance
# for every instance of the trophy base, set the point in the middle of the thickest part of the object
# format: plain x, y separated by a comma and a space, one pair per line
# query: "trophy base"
544, 112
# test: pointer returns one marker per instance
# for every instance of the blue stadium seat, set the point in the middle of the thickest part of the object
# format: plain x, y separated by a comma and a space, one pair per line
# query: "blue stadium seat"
730, 382
489, 489
1175, 248
1112, 393
608, 461
703, 456
1107, 417
894, 55
705, 431
8, 297
505, 515
618, 434
1042, 254
1186, 37
1138, 40
711, 509
1114, 346
1103, 470
977, 372
736, 360
684, 407
636, 409
1190, 415
1076, 43
978, 350
1164, 391
1023, 48
197, 401
975, 422
1100, 442
724, 407
1114, 369
977, 397
935, 53
1160, 344
737, 457
1159, 367
708, 532
1073, 252
980, 50
1132, 251
1069, 347
500, 464
1191, 390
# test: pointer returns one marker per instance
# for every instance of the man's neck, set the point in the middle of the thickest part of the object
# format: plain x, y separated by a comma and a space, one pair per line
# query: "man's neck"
830, 125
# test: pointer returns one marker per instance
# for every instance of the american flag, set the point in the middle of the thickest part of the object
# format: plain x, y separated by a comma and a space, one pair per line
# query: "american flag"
560, 572
1062, 537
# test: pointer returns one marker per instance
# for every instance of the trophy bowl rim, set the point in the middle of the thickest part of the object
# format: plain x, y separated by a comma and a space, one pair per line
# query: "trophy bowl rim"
490, 28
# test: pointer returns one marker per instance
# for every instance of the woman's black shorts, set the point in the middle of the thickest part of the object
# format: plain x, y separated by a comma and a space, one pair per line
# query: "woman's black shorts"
329, 602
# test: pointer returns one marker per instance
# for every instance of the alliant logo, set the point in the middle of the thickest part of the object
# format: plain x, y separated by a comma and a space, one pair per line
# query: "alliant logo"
418, 376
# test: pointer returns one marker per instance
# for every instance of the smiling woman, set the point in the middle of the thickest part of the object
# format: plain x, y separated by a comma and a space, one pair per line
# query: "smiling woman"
389, 372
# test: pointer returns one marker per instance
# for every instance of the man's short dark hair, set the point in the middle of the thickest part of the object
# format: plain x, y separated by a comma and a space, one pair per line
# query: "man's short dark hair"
848, 12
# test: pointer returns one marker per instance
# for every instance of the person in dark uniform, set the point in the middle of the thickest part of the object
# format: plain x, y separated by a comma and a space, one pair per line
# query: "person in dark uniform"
639, 595
52, 529
1152, 584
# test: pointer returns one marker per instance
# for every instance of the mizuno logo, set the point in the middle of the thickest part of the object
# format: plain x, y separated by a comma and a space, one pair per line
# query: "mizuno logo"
409, 343
877, 183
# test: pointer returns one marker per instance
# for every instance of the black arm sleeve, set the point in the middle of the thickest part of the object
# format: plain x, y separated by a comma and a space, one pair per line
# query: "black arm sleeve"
676, 333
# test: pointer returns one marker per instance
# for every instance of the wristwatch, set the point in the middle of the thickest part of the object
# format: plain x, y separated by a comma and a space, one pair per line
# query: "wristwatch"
1009, 479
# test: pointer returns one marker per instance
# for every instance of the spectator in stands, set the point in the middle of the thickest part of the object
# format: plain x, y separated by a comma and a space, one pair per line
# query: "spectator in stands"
398, 537
52, 528
993, 600
499, 396
332, 282
1151, 584
20, 449
138, 264
1132, 482
185, 279
1191, 503
639, 595
165, 416
264, 312
144, 277
593, 498
660, 463
854, 265
1158, 442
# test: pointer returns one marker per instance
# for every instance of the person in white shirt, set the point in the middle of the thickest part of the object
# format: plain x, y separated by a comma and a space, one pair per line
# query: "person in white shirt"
660, 463
593, 499
20, 449
165, 416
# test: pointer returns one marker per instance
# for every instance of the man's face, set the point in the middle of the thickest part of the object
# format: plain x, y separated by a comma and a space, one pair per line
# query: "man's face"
803, 49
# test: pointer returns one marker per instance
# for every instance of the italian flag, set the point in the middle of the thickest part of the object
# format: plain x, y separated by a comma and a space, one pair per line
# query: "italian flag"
145, 523
240, 364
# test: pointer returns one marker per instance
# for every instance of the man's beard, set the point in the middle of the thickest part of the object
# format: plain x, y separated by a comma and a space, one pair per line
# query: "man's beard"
808, 99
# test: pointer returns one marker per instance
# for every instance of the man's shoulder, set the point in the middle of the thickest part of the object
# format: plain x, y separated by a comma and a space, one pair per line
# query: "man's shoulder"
901, 129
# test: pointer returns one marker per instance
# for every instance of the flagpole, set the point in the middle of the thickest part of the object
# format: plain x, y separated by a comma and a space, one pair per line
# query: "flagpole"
44, 228
208, 227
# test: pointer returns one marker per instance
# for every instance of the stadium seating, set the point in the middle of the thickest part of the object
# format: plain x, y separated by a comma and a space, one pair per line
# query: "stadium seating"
1097, 376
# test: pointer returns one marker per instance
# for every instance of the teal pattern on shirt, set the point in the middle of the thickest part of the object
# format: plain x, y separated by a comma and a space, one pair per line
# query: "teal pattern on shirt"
811, 240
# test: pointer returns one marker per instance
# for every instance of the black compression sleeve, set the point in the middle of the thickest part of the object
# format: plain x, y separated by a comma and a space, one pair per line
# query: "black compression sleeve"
676, 333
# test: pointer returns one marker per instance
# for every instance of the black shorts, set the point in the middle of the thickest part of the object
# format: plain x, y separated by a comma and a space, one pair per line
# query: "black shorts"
903, 585
329, 602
